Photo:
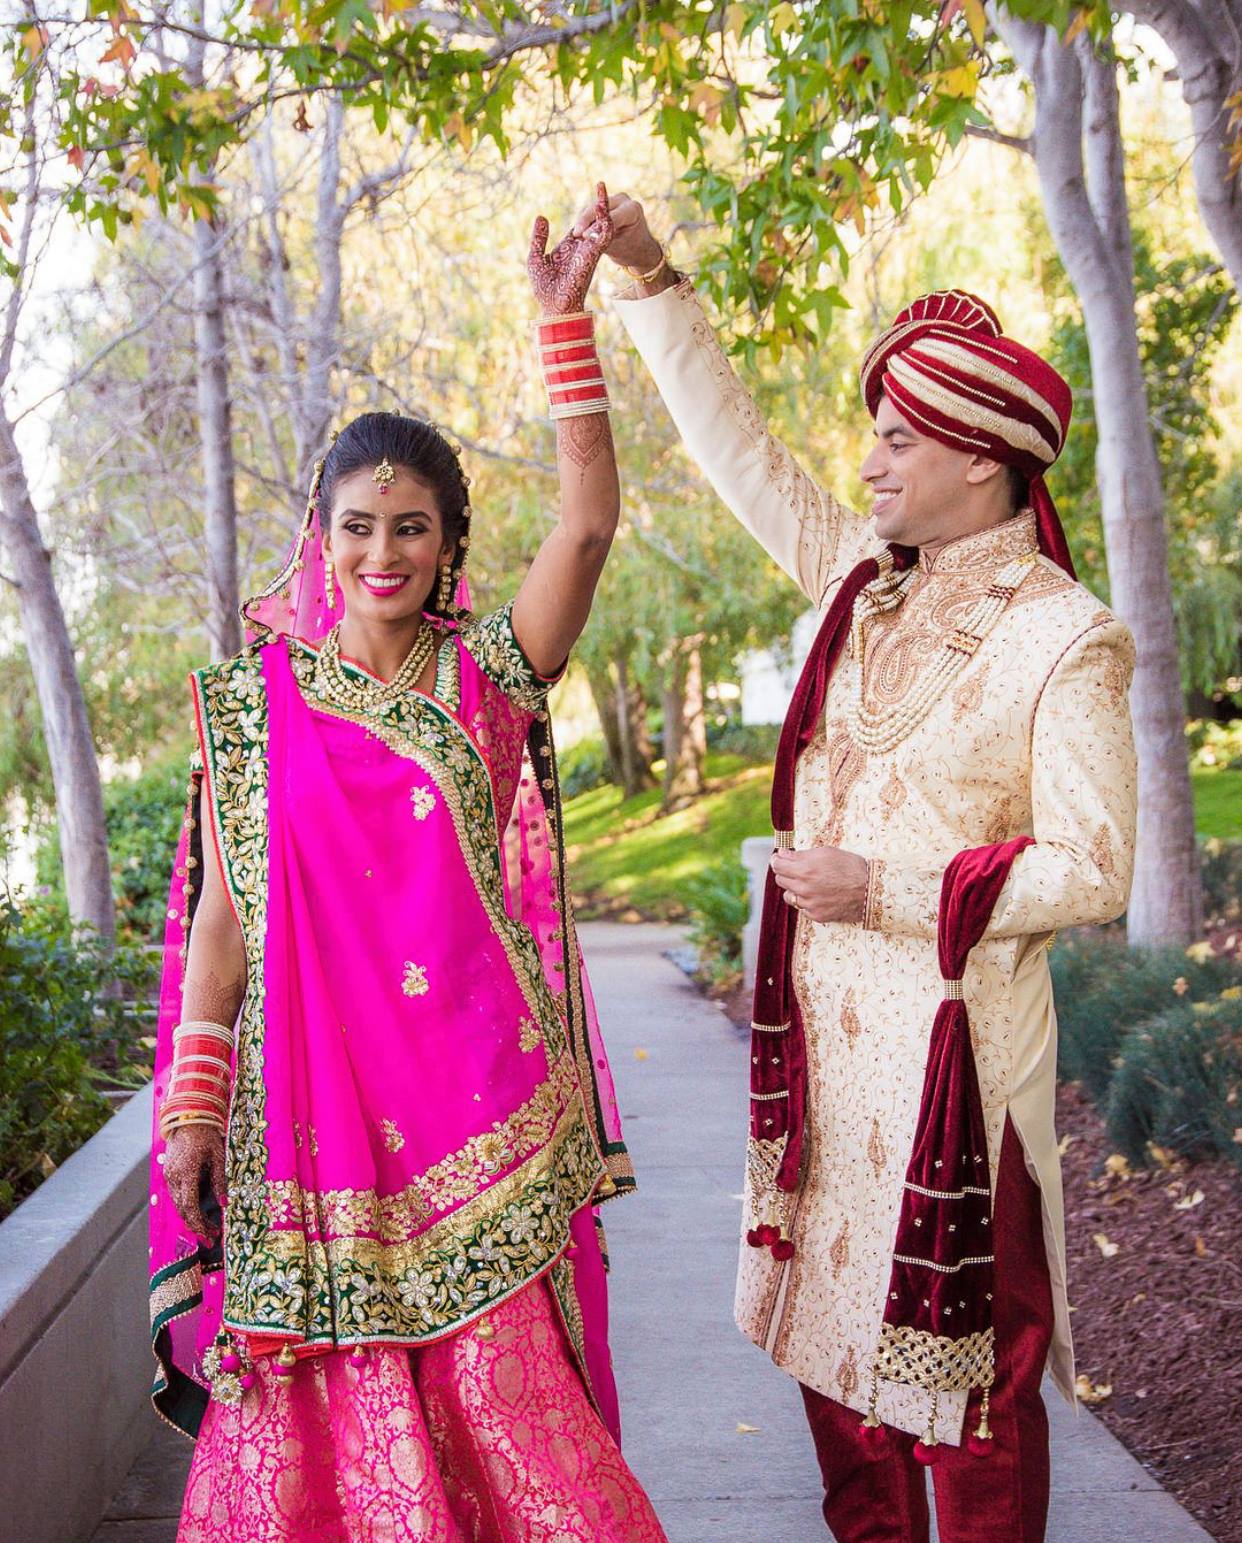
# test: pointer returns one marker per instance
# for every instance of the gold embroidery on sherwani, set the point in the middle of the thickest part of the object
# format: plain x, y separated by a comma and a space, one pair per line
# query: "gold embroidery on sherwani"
893, 793
839, 1250
851, 1026
968, 698
847, 1374
846, 763
1102, 852
876, 1150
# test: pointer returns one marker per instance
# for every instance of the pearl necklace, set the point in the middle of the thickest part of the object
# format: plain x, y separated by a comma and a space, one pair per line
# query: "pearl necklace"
879, 732
365, 695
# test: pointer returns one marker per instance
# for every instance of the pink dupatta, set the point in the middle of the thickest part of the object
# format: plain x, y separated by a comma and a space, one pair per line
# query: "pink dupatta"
423, 1118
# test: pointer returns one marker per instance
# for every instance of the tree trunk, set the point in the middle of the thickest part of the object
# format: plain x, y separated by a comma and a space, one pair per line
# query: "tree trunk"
1090, 223
685, 731
635, 741
66, 726
604, 695
215, 422
1205, 41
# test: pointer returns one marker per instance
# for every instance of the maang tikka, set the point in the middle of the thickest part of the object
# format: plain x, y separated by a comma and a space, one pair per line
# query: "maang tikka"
383, 476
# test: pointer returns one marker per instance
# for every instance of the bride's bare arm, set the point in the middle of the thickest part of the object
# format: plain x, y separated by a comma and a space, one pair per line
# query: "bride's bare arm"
554, 600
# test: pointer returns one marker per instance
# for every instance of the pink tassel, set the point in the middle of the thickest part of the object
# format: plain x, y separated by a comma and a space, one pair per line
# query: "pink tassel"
979, 1446
926, 1454
875, 1443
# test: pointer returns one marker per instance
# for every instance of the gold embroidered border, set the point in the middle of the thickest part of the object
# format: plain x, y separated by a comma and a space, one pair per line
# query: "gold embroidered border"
178, 1288
936, 1362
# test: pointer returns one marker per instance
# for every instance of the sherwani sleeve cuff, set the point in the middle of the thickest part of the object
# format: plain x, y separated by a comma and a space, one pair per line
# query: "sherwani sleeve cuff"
902, 899
805, 531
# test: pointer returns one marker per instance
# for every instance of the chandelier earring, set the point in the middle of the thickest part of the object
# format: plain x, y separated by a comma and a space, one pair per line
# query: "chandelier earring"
328, 583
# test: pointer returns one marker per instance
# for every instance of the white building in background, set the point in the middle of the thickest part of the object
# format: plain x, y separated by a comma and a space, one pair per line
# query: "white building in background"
769, 675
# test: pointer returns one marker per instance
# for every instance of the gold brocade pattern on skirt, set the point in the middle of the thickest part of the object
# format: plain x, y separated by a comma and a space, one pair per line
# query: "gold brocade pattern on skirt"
486, 1436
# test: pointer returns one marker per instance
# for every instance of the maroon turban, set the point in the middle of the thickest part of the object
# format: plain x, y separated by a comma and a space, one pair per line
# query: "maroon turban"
946, 366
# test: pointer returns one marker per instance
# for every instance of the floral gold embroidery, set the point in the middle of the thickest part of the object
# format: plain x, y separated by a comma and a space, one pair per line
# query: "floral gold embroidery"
851, 1026
876, 1150
393, 1139
414, 981
423, 801
893, 793
1102, 852
847, 1374
529, 1037
839, 1251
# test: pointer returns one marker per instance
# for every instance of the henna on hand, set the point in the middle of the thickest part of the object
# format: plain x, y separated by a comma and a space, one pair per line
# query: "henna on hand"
562, 277
191, 1152
583, 440
212, 1000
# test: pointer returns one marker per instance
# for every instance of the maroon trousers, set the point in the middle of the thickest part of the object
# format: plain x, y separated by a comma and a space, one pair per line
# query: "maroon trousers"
1002, 1498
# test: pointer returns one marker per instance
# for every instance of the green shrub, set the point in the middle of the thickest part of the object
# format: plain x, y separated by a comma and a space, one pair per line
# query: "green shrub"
1103, 990
66, 1023
583, 767
719, 905
755, 742
1178, 1082
1222, 881
144, 822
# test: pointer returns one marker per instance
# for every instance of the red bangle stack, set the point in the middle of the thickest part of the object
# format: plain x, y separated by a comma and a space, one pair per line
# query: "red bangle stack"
571, 367
198, 1089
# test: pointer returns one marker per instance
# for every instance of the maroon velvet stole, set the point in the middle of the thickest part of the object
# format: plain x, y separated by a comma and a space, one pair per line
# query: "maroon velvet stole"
937, 1330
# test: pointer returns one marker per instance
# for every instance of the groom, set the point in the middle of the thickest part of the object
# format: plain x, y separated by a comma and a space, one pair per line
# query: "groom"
966, 693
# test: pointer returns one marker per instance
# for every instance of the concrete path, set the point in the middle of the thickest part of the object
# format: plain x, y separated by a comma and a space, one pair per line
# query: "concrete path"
688, 1379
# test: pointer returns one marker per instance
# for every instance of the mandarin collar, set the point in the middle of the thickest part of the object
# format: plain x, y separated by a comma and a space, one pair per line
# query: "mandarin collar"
991, 548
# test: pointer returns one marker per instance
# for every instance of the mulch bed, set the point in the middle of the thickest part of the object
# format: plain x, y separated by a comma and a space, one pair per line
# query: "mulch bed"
1157, 1306
1159, 1321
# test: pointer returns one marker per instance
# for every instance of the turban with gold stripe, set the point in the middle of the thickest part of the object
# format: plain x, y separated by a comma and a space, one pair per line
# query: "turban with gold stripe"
946, 365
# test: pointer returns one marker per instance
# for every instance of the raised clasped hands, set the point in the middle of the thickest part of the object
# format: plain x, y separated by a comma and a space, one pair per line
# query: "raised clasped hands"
562, 277
192, 1153
631, 243
825, 883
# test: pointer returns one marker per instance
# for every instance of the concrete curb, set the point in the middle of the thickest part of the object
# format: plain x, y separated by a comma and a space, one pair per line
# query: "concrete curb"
75, 1358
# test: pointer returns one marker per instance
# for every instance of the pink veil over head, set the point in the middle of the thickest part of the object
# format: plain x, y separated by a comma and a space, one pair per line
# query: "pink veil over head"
186, 1289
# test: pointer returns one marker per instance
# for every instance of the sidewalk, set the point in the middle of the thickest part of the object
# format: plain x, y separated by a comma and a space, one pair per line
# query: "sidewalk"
688, 1379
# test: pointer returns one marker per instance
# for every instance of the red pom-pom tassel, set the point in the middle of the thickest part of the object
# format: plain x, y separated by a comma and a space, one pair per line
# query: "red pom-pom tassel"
768, 1234
979, 1446
783, 1249
874, 1439
753, 1238
926, 1454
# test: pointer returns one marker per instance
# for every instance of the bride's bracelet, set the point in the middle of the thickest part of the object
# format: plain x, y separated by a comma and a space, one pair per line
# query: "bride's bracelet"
200, 1079
570, 364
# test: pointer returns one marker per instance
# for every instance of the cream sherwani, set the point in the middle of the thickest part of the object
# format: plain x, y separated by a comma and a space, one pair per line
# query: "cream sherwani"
1032, 736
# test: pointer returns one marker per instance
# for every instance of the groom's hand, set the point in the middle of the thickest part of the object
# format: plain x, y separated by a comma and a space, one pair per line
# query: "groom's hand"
632, 244
828, 884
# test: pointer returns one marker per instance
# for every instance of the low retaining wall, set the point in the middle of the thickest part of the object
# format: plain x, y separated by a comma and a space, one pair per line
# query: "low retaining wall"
75, 1355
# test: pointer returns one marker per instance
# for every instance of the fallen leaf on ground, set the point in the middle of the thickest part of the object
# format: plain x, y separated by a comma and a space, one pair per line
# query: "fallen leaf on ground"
747, 1430
1092, 1392
1064, 1144
1107, 1248
1201, 1248
1117, 1165
1161, 1155
1188, 1202
640, 1054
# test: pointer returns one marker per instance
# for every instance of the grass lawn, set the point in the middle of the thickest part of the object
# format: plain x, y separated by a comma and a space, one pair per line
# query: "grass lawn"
622, 857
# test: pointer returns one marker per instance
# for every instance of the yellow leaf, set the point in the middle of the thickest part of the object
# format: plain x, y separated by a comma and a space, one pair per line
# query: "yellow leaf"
1231, 993
1107, 1248
706, 99
1162, 1155
640, 1054
1201, 952
782, 19
962, 81
976, 19
1116, 1164
735, 20
456, 127
1188, 1202
1200, 1247
1076, 26
122, 50
1092, 1392
1064, 1144
34, 41
747, 1430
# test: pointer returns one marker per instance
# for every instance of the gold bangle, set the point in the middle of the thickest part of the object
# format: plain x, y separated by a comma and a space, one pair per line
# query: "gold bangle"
650, 278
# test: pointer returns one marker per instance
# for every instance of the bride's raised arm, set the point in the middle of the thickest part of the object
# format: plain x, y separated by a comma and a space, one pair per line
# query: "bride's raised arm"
554, 600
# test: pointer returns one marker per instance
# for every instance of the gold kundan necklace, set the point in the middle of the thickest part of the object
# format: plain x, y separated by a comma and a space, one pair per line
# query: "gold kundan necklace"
366, 695
878, 732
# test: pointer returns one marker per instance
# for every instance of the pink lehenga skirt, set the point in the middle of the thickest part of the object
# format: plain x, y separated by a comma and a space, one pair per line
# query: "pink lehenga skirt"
484, 1437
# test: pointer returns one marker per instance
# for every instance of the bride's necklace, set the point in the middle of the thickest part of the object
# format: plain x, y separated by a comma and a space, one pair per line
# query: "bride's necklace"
365, 695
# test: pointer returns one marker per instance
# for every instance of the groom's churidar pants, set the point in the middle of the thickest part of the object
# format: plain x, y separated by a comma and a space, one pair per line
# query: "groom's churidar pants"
1002, 1498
